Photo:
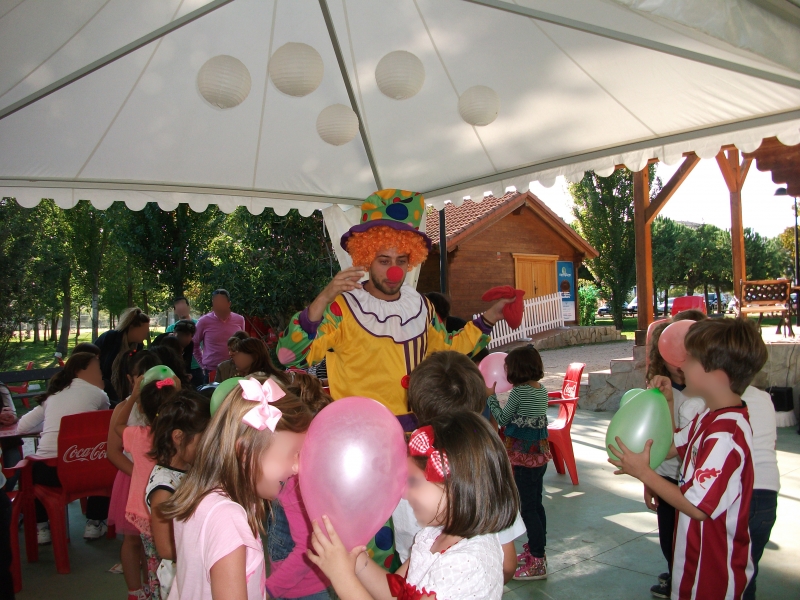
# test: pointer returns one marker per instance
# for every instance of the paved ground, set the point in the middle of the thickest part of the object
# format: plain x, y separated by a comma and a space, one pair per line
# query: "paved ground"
602, 541
596, 356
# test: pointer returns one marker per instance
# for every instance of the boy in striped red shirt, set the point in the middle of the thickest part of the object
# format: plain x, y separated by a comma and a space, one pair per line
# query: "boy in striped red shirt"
712, 541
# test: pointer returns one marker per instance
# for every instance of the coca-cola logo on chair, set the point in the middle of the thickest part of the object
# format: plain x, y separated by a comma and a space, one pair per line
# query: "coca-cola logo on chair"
75, 454
569, 389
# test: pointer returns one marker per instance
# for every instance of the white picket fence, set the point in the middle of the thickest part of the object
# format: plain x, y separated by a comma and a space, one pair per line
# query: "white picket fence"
539, 314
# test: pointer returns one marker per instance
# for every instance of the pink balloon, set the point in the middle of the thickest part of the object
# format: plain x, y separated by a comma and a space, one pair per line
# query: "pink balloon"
493, 368
670, 343
353, 468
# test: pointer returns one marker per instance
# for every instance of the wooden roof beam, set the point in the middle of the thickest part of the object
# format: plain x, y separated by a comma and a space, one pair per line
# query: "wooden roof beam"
658, 203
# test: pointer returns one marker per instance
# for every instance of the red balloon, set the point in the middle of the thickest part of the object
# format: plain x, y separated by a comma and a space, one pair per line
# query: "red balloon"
395, 274
670, 344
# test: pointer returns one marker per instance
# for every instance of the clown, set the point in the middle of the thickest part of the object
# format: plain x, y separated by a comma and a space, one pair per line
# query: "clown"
373, 334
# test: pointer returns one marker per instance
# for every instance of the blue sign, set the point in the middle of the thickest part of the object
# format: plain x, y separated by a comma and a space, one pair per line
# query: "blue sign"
566, 280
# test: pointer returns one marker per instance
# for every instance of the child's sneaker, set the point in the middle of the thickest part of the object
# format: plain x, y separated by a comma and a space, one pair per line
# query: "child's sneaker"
137, 595
94, 530
43, 533
523, 557
661, 590
536, 568
664, 578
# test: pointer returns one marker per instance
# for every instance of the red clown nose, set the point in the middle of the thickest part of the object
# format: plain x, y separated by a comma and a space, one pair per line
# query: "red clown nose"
395, 274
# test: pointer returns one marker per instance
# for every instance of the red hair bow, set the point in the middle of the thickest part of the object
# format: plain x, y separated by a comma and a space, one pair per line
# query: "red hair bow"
421, 444
169, 381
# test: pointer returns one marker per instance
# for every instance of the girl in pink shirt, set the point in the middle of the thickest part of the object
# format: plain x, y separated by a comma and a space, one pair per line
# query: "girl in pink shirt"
292, 574
248, 452
160, 386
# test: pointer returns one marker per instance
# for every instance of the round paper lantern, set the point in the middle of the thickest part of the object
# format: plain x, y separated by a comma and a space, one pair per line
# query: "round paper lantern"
224, 81
337, 124
400, 75
296, 69
479, 105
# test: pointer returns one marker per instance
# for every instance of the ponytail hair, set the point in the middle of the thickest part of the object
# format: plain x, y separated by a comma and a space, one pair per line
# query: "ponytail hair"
189, 412
132, 317
152, 398
63, 379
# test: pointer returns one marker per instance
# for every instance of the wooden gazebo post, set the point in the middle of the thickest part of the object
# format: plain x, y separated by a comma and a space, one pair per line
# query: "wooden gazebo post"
734, 174
644, 213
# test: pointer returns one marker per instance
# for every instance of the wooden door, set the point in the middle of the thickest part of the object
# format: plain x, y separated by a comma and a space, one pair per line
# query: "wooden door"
536, 274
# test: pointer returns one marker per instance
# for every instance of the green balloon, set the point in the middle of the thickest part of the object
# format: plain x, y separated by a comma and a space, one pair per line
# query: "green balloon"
629, 395
222, 391
157, 373
644, 417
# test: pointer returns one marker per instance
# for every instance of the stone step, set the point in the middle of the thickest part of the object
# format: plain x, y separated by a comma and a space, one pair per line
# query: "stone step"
597, 379
623, 365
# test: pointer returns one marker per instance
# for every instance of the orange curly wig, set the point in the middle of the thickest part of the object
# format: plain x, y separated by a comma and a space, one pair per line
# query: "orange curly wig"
364, 247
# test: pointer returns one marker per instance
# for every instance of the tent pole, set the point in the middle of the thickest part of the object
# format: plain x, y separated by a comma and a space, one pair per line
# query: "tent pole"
733, 173
337, 49
443, 288
112, 56
634, 40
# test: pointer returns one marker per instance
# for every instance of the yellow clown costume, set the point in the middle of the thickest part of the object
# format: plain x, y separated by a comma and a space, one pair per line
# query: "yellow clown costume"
371, 346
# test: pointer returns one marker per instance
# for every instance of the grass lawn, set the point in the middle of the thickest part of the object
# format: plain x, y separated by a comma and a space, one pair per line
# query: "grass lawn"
629, 324
42, 353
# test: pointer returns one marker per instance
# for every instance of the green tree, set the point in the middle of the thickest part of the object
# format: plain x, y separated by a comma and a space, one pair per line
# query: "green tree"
272, 265
668, 238
765, 258
603, 213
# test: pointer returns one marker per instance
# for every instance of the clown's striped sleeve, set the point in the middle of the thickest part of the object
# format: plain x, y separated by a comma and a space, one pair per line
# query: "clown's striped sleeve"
305, 342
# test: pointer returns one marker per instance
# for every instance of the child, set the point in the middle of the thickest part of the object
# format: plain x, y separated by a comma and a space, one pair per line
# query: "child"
176, 433
248, 452
137, 440
525, 419
712, 542
443, 383
685, 409
227, 368
292, 575
461, 488
132, 553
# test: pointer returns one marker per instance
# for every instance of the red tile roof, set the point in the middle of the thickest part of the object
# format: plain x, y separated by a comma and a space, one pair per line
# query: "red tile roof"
459, 218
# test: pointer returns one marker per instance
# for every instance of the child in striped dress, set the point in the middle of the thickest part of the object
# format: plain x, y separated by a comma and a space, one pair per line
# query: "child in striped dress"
525, 419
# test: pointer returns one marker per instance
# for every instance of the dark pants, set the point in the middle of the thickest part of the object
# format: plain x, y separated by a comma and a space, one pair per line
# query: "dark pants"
529, 483
12, 454
667, 516
96, 506
763, 509
6, 583
198, 377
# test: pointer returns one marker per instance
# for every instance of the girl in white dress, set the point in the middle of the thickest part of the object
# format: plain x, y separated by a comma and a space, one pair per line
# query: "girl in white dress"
462, 491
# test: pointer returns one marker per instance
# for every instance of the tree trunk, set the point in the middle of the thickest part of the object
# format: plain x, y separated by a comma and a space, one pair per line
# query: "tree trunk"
36, 329
719, 297
95, 309
666, 302
655, 301
66, 315
145, 308
705, 293
130, 283
53, 326
78, 324
44, 324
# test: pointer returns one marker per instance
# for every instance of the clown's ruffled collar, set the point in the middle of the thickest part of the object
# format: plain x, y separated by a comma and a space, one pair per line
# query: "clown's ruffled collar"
401, 320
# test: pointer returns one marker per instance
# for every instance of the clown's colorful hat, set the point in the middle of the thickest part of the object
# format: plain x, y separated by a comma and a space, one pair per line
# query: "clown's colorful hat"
398, 209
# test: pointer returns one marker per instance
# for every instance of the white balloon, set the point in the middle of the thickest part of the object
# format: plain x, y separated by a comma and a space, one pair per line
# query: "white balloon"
296, 69
400, 75
224, 81
479, 105
337, 124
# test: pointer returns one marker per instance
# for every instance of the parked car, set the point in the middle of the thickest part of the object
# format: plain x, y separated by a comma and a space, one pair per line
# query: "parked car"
633, 306
605, 310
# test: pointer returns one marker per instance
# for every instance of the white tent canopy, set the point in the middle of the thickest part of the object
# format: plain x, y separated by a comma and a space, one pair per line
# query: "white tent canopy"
581, 84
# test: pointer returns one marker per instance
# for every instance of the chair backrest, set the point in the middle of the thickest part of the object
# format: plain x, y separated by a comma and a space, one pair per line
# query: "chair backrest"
689, 302
82, 462
766, 292
572, 380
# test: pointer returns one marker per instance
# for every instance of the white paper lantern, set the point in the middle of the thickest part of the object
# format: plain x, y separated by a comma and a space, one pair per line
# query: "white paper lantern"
296, 69
337, 124
400, 75
224, 81
479, 105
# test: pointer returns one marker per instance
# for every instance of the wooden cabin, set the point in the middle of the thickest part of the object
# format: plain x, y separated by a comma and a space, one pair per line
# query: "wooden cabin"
514, 240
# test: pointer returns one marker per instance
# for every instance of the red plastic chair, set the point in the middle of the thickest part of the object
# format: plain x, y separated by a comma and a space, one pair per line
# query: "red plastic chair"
21, 389
22, 504
558, 432
83, 469
689, 302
